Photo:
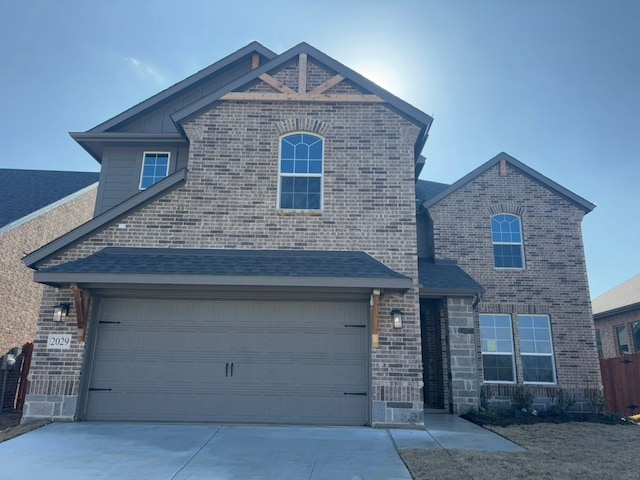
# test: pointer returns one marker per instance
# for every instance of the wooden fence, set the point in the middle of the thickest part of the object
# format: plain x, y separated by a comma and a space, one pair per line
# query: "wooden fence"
621, 382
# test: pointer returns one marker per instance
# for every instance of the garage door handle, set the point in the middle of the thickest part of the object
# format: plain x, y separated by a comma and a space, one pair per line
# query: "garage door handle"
359, 394
226, 370
232, 369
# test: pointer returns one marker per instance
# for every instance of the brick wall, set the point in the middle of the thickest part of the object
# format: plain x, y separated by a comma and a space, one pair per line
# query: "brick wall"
607, 327
554, 281
20, 296
230, 200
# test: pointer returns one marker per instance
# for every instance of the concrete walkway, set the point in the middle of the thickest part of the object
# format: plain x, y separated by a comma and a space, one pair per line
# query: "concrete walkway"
69, 451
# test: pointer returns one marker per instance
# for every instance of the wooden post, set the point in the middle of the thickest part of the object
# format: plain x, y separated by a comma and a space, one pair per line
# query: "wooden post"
503, 168
375, 318
302, 73
255, 61
82, 302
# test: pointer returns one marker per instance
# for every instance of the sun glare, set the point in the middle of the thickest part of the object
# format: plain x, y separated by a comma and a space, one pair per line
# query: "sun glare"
381, 74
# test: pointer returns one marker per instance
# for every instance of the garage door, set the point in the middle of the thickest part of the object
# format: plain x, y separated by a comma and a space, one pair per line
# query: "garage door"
258, 362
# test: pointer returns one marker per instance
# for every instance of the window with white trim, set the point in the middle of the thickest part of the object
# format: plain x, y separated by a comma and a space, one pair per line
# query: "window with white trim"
536, 349
622, 338
506, 232
155, 167
497, 348
301, 172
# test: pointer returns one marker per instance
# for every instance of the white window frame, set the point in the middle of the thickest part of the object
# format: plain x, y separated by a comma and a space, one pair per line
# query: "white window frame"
529, 354
144, 157
520, 243
303, 175
487, 352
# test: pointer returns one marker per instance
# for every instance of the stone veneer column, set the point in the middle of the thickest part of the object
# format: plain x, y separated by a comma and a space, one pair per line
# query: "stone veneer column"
462, 355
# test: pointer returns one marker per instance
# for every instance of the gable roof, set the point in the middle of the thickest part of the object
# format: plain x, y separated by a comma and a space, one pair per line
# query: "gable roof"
530, 172
624, 297
396, 103
107, 218
253, 47
25, 192
269, 268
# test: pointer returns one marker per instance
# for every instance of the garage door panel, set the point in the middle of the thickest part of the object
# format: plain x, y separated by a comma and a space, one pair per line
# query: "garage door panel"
266, 362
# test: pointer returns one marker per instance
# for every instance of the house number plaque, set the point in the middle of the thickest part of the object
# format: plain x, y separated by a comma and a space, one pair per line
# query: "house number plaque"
59, 341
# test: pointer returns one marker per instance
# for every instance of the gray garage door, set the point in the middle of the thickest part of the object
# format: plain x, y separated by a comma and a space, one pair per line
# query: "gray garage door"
263, 362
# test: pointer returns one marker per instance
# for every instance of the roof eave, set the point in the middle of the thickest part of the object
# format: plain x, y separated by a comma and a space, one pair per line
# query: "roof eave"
580, 202
616, 311
62, 279
187, 82
418, 116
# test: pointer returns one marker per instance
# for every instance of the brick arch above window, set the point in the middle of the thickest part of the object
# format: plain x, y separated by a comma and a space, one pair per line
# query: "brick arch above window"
511, 208
310, 125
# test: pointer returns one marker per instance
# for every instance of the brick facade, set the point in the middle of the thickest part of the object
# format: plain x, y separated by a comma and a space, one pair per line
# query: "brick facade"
607, 327
230, 201
554, 281
20, 296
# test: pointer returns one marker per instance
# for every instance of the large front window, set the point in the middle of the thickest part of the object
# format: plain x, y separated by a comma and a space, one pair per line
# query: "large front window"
301, 168
506, 232
155, 167
536, 349
497, 348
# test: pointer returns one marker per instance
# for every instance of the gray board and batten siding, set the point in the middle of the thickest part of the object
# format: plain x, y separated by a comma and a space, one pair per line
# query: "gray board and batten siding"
283, 362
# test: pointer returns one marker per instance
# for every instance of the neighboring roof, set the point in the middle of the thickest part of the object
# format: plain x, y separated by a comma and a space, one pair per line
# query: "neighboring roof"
105, 219
624, 297
445, 278
170, 266
426, 190
541, 179
23, 192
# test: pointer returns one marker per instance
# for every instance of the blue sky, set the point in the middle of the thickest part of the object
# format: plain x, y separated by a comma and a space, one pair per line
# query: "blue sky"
554, 83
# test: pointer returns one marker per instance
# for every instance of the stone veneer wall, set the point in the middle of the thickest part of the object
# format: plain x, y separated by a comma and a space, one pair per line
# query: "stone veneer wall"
20, 296
554, 281
230, 200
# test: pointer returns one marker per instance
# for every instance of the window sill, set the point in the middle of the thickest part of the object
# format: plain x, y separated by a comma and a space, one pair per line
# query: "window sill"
292, 212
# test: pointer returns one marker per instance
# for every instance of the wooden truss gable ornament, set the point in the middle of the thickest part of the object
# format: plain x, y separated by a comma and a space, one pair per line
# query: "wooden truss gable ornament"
82, 301
284, 93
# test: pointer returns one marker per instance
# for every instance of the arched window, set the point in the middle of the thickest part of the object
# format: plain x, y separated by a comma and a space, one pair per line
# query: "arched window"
507, 241
301, 168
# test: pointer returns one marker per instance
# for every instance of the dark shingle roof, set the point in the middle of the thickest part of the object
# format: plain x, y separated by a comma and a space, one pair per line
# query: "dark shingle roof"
425, 190
23, 192
121, 265
444, 277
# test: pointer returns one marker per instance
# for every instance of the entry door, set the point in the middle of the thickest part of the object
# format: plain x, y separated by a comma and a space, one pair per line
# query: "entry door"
223, 361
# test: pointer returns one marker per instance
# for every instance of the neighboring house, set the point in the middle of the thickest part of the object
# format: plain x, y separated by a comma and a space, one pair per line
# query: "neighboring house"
616, 314
36, 207
256, 256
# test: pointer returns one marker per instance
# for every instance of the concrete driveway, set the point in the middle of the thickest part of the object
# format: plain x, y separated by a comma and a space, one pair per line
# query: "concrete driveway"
70, 451
140, 451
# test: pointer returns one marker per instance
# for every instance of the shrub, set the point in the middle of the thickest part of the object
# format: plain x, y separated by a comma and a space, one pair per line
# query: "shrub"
485, 397
562, 401
522, 399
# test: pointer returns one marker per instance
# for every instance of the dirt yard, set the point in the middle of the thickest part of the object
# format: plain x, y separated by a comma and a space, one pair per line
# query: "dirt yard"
554, 451
10, 425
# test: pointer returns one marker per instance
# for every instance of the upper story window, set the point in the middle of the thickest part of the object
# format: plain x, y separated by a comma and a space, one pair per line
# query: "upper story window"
536, 349
301, 169
155, 167
599, 344
507, 241
497, 348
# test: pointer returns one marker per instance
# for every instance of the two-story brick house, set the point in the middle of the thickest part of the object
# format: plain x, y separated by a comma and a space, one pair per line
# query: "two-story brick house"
256, 256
